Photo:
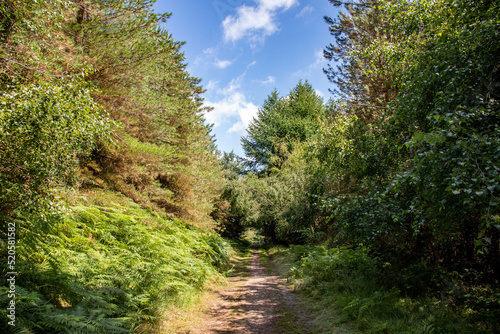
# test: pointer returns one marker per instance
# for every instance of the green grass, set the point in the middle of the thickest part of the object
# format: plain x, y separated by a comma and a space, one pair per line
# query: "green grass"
240, 259
287, 322
278, 257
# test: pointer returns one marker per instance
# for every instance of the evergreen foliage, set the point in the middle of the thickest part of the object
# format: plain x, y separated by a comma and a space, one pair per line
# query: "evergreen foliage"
362, 73
280, 124
95, 101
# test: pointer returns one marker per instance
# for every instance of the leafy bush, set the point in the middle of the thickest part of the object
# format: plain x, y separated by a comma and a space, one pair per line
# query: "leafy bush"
44, 128
322, 265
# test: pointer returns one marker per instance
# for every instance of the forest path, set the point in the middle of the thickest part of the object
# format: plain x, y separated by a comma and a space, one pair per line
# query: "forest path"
258, 303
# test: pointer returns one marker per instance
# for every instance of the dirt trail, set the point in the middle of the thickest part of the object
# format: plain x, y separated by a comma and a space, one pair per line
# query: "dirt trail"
261, 303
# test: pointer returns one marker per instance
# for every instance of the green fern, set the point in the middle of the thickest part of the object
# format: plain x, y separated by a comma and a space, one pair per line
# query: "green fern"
101, 269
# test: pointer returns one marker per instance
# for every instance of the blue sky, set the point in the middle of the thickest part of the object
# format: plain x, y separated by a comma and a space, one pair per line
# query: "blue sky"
244, 49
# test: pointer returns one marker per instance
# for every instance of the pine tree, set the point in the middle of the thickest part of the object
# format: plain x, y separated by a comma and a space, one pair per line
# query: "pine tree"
362, 74
280, 123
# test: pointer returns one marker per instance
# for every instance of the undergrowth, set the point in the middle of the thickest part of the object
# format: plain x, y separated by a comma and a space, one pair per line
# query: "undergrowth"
108, 266
351, 287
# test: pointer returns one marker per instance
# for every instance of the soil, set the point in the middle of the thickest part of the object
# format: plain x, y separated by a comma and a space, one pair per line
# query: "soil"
259, 303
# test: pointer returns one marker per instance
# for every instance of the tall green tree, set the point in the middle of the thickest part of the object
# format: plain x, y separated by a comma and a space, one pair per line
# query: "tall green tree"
166, 156
361, 73
280, 123
67, 69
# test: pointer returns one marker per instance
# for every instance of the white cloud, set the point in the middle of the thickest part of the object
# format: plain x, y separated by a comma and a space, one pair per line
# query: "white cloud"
209, 51
276, 4
222, 64
246, 113
254, 22
249, 22
212, 85
270, 79
229, 104
319, 93
210, 57
320, 58
305, 11
232, 105
231, 88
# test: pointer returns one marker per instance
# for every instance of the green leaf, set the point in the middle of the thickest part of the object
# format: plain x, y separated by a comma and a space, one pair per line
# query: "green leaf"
417, 136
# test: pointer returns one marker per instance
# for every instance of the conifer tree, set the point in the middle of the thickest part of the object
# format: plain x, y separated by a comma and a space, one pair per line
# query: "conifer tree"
280, 123
362, 76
